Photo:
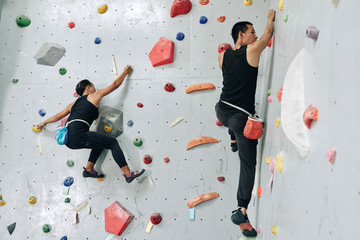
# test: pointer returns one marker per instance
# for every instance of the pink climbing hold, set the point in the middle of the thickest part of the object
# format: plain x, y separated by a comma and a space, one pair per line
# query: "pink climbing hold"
166, 160
223, 47
218, 123
140, 105
71, 24
162, 53
310, 114
180, 7
147, 159
169, 87
279, 94
269, 99
75, 94
331, 155
63, 121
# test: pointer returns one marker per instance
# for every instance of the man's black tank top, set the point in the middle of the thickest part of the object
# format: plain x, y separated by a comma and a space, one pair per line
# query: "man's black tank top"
239, 81
85, 110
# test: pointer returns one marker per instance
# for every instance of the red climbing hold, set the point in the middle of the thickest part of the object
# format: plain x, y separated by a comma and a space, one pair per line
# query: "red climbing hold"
155, 218
71, 24
279, 94
310, 114
162, 53
220, 179
166, 159
180, 7
147, 159
223, 47
218, 123
117, 218
270, 42
169, 87
140, 105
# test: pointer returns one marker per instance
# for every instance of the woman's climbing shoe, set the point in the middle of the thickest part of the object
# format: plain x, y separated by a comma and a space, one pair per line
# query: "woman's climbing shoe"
133, 175
234, 147
243, 221
92, 174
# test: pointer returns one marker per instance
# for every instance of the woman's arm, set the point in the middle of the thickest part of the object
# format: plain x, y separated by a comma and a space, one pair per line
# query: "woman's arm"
58, 116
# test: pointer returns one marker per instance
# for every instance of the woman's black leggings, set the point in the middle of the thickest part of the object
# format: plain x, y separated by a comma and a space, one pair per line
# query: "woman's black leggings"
247, 152
97, 142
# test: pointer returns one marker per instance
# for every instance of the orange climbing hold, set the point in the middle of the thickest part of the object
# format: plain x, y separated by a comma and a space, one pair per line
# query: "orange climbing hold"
279, 94
162, 53
180, 7
201, 198
200, 87
200, 140
310, 114
204, 2
259, 191
221, 19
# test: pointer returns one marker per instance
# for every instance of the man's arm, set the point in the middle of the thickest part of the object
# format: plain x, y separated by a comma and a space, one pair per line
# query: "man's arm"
256, 48
220, 58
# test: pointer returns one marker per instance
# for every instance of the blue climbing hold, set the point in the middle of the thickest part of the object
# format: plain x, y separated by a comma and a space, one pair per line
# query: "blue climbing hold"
64, 238
68, 181
42, 112
97, 40
203, 19
180, 36
130, 123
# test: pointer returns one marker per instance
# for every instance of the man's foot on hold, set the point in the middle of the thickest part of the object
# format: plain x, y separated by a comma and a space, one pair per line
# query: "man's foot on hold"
92, 174
234, 147
133, 175
243, 221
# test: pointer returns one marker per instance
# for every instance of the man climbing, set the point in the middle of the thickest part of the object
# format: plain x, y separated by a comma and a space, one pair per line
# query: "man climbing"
239, 67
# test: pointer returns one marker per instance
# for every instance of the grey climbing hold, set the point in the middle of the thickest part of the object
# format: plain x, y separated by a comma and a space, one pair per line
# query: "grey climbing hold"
109, 116
11, 228
49, 54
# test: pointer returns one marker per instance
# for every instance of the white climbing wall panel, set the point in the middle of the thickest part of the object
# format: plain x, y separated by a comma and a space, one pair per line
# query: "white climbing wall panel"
128, 30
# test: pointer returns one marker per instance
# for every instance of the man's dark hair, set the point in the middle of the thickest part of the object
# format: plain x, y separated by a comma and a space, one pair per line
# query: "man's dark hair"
80, 87
239, 27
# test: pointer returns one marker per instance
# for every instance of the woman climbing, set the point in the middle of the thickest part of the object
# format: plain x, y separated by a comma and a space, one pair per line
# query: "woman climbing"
84, 111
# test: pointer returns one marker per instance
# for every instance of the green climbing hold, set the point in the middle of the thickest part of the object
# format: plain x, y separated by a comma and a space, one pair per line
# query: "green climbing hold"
62, 71
46, 228
15, 80
70, 163
285, 17
138, 142
269, 92
67, 200
23, 21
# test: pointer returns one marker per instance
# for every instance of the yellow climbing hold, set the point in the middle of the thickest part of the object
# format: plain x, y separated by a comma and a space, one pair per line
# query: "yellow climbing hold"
247, 2
281, 4
279, 161
32, 200
274, 230
100, 179
2, 203
267, 160
107, 128
277, 122
36, 128
102, 9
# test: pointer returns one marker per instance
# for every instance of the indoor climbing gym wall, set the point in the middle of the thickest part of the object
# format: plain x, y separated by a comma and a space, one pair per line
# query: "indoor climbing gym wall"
164, 120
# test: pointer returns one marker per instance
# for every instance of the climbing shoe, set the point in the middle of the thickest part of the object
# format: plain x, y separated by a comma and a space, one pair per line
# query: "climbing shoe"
92, 174
234, 147
243, 221
133, 175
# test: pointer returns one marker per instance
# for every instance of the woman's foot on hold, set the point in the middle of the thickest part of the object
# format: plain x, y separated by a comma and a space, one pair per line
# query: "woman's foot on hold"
233, 145
242, 220
133, 175
92, 173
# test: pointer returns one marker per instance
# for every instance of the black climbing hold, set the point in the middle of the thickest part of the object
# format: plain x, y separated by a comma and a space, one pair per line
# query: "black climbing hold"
11, 228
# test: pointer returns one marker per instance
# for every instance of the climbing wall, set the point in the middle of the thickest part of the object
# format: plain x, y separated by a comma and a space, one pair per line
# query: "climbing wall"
128, 31
312, 197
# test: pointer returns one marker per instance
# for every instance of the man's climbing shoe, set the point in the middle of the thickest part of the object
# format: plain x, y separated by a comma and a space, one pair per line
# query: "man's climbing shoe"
133, 175
234, 147
243, 221
92, 174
